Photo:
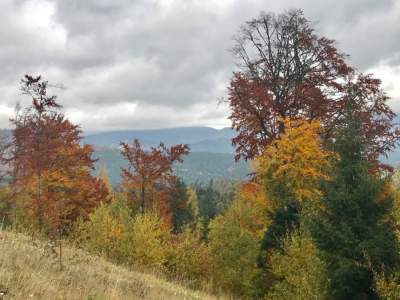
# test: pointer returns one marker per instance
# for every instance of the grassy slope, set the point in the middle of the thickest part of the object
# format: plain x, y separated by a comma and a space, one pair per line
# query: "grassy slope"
29, 270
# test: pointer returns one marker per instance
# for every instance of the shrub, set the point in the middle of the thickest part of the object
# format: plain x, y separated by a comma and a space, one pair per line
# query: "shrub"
299, 271
112, 231
108, 231
235, 240
387, 288
149, 241
189, 257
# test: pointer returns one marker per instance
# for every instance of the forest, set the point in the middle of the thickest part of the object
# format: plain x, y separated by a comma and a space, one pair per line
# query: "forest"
317, 217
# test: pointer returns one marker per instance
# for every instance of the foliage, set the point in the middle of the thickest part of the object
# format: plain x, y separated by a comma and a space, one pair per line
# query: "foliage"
394, 189
112, 231
150, 240
208, 199
50, 169
354, 230
234, 241
288, 71
108, 230
283, 220
213, 199
106, 180
7, 209
189, 258
183, 206
299, 271
294, 165
388, 288
292, 169
149, 176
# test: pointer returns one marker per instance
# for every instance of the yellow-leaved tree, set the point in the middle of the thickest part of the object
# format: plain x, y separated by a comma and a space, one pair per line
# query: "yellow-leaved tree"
293, 166
235, 240
112, 231
103, 175
292, 170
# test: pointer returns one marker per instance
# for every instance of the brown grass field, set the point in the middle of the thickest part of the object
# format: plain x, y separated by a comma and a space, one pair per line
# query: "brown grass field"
29, 269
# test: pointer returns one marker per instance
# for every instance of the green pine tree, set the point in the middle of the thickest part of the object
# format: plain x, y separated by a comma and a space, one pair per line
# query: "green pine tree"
354, 231
182, 210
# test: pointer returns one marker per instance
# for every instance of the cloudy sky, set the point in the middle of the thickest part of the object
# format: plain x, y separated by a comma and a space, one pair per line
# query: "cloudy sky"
164, 63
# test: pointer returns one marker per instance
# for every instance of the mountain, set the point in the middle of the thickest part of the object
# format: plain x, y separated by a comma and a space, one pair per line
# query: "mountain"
211, 154
196, 167
200, 139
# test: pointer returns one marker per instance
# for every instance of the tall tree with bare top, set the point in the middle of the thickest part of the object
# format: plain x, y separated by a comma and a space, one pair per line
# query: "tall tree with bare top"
287, 71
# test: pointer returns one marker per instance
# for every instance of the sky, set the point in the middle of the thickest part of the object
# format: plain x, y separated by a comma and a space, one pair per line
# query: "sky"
136, 64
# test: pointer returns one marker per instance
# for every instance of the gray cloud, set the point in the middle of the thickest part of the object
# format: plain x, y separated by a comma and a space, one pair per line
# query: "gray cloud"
163, 63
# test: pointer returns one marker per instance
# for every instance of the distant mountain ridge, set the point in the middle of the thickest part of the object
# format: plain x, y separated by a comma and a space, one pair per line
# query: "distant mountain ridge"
198, 167
211, 154
200, 139
211, 150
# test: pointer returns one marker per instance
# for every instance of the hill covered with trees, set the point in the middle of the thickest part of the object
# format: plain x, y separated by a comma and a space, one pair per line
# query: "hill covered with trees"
318, 217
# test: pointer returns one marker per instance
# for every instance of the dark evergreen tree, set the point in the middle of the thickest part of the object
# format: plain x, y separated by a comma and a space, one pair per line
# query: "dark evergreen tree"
283, 220
182, 213
208, 199
354, 230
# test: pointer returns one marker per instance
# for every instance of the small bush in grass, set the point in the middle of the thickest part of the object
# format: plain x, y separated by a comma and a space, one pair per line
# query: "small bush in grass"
108, 230
112, 231
189, 257
149, 241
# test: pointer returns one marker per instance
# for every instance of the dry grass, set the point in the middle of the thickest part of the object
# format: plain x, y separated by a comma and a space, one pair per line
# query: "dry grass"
29, 270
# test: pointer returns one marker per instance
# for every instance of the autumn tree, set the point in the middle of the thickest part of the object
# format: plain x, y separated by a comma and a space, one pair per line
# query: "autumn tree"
149, 177
288, 71
111, 230
51, 168
234, 240
103, 175
291, 170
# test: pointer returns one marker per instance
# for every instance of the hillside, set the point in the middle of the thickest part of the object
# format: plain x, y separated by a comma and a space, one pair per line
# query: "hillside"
29, 270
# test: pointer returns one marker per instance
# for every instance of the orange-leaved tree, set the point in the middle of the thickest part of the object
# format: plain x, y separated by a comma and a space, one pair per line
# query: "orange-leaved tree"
51, 169
149, 178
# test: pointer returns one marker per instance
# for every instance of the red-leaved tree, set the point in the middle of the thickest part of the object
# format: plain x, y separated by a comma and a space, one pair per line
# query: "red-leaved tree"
288, 71
149, 177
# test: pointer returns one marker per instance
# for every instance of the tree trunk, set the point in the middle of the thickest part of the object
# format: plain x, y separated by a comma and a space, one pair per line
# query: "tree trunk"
142, 199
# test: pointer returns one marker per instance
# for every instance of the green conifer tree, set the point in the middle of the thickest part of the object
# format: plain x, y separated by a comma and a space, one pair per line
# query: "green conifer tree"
354, 230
